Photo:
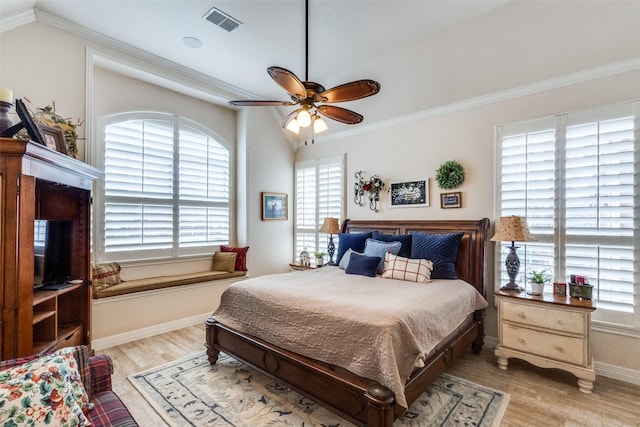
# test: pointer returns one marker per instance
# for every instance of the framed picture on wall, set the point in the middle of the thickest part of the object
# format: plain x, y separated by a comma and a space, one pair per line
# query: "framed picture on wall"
414, 193
274, 206
451, 200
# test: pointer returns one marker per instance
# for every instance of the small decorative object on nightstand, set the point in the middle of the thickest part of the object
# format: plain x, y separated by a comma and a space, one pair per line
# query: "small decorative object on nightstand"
305, 261
513, 228
331, 227
548, 331
537, 280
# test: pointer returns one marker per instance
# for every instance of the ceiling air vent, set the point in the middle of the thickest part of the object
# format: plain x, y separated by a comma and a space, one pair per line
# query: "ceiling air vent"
221, 19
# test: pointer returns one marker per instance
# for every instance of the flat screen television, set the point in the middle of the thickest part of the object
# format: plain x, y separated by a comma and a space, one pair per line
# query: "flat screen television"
52, 252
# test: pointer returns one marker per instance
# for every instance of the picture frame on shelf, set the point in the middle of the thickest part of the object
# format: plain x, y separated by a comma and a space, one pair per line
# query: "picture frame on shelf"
409, 193
451, 200
275, 206
560, 289
53, 138
27, 121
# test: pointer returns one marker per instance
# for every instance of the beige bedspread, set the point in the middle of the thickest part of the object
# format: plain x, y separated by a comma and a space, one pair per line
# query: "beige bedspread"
376, 328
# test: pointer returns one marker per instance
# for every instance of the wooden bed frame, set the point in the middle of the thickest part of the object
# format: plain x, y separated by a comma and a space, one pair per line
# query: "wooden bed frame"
362, 401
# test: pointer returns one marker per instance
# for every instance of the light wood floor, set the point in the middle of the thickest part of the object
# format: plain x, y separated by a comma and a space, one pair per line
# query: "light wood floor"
538, 397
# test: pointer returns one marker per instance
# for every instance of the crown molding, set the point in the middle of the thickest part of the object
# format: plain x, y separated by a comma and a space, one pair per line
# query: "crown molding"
17, 20
583, 76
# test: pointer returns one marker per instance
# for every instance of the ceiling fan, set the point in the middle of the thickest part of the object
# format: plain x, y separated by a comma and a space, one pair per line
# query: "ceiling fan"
312, 97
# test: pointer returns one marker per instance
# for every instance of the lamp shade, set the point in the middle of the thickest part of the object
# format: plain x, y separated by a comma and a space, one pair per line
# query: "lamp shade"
513, 228
330, 226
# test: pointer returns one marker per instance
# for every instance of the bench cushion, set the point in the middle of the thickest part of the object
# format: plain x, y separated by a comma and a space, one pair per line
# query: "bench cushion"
150, 283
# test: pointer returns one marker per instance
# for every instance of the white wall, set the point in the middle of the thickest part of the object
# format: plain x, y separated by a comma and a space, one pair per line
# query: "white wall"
463, 128
46, 64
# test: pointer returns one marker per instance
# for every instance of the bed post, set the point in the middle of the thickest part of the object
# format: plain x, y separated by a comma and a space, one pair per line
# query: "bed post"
212, 352
380, 405
478, 343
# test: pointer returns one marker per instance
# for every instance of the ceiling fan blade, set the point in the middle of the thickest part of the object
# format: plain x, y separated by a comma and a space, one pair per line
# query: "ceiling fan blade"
250, 103
340, 114
350, 91
288, 81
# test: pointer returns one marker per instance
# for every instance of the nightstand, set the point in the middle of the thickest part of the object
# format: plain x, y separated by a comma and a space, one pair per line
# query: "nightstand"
547, 331
298, 267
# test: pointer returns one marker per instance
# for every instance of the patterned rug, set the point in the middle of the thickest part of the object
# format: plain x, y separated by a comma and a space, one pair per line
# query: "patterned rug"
190, 392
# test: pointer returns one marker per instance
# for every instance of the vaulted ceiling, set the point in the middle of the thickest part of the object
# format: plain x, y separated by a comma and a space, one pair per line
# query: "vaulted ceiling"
347, 40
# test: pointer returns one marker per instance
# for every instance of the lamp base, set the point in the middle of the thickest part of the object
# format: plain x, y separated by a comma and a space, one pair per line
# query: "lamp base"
511, 286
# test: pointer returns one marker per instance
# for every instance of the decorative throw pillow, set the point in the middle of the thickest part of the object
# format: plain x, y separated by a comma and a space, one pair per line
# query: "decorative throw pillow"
47, 388
442, 249
106, 275
362, 265
345, 258
401, 268
241, 258
224, 261
355, 241
404, 239
379, 249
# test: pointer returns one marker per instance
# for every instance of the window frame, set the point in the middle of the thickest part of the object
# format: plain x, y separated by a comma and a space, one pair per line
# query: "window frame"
99, 199
319, 244
560, 239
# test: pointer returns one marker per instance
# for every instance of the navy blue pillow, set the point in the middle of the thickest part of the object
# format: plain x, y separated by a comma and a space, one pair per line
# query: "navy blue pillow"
353, 241
362, 264
404, 239
441, 249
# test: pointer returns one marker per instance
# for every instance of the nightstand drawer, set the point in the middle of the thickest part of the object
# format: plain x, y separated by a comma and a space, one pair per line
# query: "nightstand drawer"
544, 317
558, 347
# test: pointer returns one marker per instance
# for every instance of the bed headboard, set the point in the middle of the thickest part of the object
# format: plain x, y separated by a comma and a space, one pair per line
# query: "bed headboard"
471, 263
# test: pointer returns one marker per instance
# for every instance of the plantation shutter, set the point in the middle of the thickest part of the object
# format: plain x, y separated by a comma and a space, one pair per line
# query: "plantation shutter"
319, 194
527, 189
599, 205
138, 174
204, 189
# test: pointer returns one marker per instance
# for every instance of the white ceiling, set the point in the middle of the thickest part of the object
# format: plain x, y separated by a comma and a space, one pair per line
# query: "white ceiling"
344, 35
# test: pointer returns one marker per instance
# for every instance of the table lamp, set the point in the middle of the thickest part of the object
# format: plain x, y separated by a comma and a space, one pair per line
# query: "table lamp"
513, 228
331, 227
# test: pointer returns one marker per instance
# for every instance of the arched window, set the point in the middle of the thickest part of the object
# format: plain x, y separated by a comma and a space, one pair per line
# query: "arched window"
165, 189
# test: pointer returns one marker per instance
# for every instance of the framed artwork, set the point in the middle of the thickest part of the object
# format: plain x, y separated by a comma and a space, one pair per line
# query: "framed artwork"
53, 138
28, 123
560, 289
274, 206
414, 193
451, 200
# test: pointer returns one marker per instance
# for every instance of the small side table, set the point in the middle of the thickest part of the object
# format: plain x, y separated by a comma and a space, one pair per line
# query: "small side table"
547, 331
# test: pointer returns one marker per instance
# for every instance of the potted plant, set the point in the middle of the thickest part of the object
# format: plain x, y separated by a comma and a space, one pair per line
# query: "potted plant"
319, 258
538, 278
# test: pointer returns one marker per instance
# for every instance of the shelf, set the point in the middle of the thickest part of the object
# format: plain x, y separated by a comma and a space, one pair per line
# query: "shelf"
39, 316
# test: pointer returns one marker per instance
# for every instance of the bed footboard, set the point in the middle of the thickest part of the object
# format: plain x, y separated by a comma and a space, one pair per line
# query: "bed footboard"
362, 401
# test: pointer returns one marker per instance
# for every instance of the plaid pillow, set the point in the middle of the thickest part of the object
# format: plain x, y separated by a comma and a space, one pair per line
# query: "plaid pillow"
106, 275
413, 270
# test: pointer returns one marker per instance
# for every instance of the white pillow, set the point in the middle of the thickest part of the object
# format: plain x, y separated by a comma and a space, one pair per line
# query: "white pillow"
413, 270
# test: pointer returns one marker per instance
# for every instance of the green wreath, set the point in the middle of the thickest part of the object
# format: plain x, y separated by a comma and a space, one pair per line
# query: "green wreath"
450, 175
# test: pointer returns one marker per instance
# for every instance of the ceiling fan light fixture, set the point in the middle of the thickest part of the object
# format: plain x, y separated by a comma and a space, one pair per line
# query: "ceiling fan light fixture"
319, 125
304, 118
293, 126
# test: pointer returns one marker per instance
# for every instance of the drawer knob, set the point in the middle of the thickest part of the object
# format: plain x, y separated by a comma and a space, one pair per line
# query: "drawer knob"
560, 322
559, 349
522, 315
521, 340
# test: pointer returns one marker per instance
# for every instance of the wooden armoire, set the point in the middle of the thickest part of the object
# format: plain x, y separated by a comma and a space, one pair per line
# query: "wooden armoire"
37, 183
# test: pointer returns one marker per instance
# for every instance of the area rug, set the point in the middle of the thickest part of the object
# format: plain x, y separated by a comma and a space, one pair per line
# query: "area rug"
191, 392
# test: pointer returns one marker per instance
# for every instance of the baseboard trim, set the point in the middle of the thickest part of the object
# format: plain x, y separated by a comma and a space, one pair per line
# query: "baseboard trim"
113, 340
603, 369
